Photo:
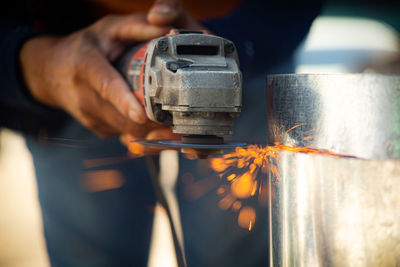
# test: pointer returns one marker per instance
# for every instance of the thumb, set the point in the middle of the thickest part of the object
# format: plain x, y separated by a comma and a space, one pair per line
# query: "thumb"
132, 27
172, 13
162, 133
165, 12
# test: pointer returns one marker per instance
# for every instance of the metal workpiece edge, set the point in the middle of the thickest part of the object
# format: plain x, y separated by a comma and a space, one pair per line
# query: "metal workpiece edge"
351, 114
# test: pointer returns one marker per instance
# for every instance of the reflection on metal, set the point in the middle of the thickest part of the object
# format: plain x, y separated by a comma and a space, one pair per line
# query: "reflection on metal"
328, 211
354, 114
335, 212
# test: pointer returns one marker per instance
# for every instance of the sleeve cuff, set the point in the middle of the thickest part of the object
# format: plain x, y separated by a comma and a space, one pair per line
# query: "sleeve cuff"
16, 103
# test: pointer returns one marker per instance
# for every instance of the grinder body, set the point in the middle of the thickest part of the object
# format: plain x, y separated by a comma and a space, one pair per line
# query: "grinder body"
188, 80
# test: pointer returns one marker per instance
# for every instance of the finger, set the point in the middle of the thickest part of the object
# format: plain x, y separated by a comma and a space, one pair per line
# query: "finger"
105, 121
153, 132
137, 149
162, 133
186, 21
133, 27
109, 84
106, 112
165, 12
139, 131
96, 126
125, 139
104, 132
112, 117
172, 12
85, 108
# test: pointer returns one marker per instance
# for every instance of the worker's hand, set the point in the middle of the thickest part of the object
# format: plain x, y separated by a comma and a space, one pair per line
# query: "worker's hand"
73, 73
136, 149
172, 13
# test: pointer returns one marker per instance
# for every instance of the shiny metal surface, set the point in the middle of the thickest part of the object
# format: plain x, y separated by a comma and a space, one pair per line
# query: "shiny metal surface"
327, 211
355, 114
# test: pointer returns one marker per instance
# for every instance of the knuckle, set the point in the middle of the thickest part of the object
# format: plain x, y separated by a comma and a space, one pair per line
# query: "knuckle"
89, 123
109, 88
138, 132
135, 18
89, 36
105, 135
104, 25
98, 133
104, 88
82, 105
101, 130
106, 20
110, 18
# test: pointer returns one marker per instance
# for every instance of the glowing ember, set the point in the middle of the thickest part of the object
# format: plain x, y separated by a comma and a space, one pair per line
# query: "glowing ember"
247, 217
244, 186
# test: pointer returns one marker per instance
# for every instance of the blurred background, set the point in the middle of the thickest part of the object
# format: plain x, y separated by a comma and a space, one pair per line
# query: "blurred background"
348, 36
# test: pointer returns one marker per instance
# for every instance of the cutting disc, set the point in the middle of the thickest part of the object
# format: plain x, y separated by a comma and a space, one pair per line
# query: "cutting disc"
180, 144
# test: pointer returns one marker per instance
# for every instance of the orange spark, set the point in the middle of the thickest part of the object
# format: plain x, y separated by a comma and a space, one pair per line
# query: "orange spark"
226, 202
247, 217
219, 165
294, 127
93, 163
220, 190
136, 149
101, 180
242, 187
241, 169
231, 177
308, 137
236, 205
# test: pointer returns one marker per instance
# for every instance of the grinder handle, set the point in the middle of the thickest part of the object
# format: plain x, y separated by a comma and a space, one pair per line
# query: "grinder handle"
131, 66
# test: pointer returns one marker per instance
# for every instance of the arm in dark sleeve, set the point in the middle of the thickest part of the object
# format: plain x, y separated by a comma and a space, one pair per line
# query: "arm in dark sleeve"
266, 32
17, 109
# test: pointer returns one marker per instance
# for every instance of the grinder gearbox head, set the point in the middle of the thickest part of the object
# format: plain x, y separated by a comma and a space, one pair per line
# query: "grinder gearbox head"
192, 81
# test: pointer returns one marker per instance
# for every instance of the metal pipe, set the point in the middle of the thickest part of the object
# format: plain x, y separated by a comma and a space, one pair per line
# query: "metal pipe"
355, 114
329, 211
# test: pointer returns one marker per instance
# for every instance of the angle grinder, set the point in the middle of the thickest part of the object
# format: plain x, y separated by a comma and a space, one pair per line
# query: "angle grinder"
191, 81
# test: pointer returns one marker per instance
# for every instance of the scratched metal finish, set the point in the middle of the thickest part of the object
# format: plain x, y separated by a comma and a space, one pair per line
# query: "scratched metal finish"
354, 114
327, 211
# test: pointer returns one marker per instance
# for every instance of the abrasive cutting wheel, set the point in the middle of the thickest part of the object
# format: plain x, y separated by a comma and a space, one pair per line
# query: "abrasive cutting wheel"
201, 146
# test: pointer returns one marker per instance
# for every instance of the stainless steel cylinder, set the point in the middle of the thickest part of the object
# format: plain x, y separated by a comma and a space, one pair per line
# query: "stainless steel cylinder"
355, 114
335, 211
